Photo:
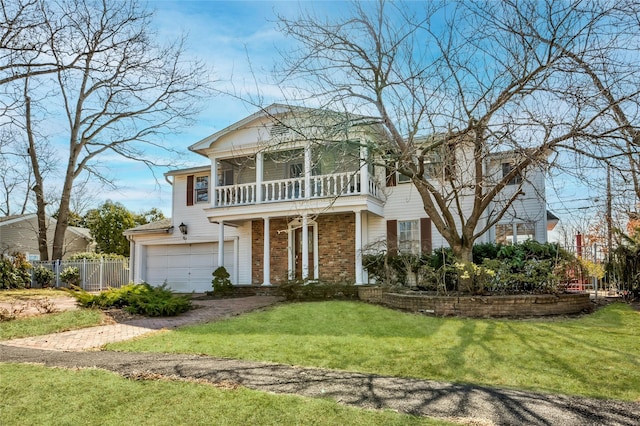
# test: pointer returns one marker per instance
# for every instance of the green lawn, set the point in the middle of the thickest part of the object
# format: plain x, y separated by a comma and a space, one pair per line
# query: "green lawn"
36, 395
50, 323
596, 355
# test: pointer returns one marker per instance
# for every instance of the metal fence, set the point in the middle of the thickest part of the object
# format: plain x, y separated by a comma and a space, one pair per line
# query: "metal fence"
95, 275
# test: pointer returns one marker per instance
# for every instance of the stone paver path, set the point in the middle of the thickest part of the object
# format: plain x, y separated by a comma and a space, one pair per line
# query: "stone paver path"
95, 337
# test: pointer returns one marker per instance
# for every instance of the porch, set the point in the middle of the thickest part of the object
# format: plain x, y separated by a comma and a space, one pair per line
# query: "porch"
295, 189
309, 173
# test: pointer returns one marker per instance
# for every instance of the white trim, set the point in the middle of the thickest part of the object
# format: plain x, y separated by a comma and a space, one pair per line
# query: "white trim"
291, 249
266, 256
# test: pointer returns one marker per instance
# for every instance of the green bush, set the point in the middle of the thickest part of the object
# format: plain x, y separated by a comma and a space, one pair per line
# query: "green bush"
71, 276
43, 276
221, 283
14, 271
142, 299
301, 290
528, 267
157, 302
95, 256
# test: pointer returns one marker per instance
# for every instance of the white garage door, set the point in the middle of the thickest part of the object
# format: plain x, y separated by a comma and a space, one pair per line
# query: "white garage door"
186, 267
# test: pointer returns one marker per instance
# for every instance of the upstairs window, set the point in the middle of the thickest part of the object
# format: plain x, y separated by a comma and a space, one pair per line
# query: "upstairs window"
506, 169
202, 189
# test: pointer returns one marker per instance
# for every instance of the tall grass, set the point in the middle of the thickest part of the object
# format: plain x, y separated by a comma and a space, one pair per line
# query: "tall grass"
596, 355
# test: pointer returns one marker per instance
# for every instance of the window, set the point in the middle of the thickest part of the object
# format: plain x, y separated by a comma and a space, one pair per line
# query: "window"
202, 189
506, 169
225, 177
513, 233
403, 178
409, 236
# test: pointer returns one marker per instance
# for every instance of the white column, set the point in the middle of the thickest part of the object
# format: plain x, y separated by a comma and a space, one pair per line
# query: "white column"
305, 247
213, 181
364, 171
266, 260
133, 258
221, 243
307, 171
358, 248
259, 176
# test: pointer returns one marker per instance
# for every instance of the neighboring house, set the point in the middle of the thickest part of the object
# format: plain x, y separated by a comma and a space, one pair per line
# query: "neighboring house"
290, 200
19, 234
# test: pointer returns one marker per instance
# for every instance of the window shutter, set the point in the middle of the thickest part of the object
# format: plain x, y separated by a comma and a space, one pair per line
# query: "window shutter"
190, 190
425, 235
392, 237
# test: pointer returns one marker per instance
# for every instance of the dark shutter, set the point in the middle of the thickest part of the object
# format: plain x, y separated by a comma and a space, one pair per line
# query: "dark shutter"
190, 190
425, 235
392, 237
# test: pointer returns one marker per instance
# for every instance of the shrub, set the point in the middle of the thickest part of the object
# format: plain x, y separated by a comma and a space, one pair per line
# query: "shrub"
301, 290
221, 283
529, 267
142, 299
95, 256
71, 276
43, 277
14, 271
157, 302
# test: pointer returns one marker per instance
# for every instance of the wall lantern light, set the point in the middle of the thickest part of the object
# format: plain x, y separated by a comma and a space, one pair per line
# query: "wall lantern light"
183, 228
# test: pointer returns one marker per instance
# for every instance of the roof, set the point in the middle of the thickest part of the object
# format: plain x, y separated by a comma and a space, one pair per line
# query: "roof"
189, 170
162, 226
273, 110
270, 111
8, 220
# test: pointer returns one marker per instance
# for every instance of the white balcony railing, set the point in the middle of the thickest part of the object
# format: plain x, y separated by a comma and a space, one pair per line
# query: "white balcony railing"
324, 186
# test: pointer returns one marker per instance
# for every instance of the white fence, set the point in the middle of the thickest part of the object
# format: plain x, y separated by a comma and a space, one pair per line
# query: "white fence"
95, 275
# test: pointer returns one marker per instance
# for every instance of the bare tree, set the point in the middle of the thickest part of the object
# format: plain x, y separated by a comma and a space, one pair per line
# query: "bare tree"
467, 82
116, 88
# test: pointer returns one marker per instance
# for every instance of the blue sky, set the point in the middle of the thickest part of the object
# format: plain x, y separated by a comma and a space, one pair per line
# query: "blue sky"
238, 40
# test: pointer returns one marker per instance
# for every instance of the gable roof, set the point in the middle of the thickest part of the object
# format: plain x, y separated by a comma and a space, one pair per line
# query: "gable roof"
275, 110
270, 111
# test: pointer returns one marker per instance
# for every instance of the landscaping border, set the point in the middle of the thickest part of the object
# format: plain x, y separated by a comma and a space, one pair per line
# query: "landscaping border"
513, 306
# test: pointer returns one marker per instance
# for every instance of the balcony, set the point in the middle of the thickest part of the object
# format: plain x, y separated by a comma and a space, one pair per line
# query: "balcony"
295, 189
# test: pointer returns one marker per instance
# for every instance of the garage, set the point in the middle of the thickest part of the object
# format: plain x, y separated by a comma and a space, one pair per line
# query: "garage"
186, 267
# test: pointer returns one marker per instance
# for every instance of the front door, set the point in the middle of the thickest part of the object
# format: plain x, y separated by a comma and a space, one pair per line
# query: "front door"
297, 237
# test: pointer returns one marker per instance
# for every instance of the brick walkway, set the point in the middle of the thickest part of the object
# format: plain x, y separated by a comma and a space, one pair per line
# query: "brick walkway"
95, 337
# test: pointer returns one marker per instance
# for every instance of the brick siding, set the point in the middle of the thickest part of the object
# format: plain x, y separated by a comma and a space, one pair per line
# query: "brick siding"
336, 249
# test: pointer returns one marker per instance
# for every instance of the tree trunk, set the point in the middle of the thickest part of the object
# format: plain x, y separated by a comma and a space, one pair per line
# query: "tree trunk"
38, 188
63, 215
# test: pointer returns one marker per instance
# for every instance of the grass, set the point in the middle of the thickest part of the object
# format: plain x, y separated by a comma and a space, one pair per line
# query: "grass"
596, 355
50, 323
30, 293
41, 395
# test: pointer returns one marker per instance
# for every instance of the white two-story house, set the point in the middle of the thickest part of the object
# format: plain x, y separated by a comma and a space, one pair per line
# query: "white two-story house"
289, 194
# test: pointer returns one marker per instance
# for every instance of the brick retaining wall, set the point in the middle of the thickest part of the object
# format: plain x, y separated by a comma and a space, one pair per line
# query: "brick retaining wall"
481, 306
